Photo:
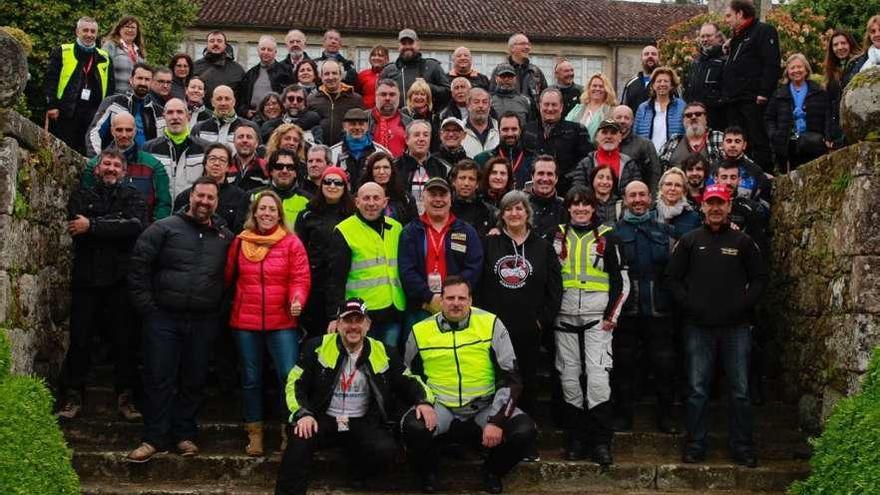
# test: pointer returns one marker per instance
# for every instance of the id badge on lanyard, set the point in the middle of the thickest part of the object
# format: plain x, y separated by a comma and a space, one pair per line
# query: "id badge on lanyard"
86, 93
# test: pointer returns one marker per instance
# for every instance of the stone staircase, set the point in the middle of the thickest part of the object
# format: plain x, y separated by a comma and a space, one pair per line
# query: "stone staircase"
646, 461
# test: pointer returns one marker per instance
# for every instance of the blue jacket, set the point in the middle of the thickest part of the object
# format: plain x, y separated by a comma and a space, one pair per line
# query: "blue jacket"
644, 120
467, 263
645, 249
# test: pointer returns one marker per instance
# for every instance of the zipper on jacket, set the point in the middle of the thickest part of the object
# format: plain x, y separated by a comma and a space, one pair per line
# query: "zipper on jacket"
457, 367
263, 289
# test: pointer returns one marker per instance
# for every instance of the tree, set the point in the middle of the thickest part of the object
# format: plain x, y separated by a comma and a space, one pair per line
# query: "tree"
849, 15
50, 23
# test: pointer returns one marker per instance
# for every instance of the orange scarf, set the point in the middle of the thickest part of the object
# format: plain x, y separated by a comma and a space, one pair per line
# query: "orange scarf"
254, 246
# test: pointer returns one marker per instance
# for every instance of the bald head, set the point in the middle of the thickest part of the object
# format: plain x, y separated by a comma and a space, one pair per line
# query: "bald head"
623, 115
223, 100
122, 128
371, 200
462, 60
176, 115
637, 197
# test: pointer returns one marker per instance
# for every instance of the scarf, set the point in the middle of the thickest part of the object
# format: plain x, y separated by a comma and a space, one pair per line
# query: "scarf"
742, 27
131, 50
666, 213
873, 59
630, 217
255, 246
86, 48
177, 139
610, 159
358, 146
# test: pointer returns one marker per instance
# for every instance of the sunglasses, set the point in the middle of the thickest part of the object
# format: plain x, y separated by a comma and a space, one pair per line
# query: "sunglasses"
693, 115
295, 98
282, 166
333, 182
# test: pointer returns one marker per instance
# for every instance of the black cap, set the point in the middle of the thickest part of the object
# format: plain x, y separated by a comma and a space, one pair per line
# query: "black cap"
609, 124
352, 305
505, 69
437, 182
355, 114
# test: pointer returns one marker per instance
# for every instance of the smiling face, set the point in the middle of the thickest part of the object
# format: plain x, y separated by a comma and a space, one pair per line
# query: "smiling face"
266, 215
460, 87
520, 47
796, 71
332, 185
597, 90
515, 216
462, 60
551, 107
181, 68
267, 51
603, 182
672, 189
382, 171
623, 115
709, 36
408, 49
223, 100
129, 31
715, 211
305, 74
418, 140
650, 58
637, 197
245, 141
109, 170
418, 101
355, 128
203, 200
331, 75
283, 172
544, 178
437, 202
608, 139
290, 140
874, 34
581, 213
564, 73
696, 176
509, 130
841, 47
451, 136
87, 32
662, 85
272, 109
371, 200
195, 91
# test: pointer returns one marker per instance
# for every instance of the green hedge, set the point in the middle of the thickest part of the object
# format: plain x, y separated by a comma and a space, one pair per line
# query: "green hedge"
34, 459
846, 459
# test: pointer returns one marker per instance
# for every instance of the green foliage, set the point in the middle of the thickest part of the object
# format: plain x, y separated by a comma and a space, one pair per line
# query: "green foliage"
33, 455
841, 183
678, 47
51, 23
847, 455
846, 14
5, 355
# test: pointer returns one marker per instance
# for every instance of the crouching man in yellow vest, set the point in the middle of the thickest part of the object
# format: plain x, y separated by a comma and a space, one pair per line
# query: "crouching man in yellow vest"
465, 357
363, 261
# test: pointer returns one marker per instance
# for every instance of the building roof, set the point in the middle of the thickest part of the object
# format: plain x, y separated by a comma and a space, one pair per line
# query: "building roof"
581, 21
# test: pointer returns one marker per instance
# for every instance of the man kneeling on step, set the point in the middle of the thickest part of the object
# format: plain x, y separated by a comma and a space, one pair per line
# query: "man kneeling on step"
340, 393
466, 357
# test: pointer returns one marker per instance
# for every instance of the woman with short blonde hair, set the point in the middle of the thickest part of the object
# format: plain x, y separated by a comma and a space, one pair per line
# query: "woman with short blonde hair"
597, 102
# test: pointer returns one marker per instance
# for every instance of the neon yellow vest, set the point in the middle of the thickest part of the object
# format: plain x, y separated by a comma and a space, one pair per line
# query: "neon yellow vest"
328, 355
458, 363
373, 276
68, 66
578, 271
292, 206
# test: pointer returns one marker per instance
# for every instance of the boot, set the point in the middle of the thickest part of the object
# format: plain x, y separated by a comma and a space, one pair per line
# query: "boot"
283, 437
574, 447
255, 439
126, 407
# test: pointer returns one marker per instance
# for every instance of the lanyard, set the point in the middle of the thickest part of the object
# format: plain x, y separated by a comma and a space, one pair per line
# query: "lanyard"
435, 246
517, 162
345, 383
88, 68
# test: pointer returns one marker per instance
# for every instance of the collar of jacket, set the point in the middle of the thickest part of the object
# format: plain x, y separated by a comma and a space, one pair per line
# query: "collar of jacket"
343, 88
215, 224
544, 201
417, 58
450, 326
525, 65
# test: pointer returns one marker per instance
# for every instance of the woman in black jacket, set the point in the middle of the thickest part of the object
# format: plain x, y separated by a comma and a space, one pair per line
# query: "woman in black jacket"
798, 117
841, 47
379, 168
522, 284
314, 226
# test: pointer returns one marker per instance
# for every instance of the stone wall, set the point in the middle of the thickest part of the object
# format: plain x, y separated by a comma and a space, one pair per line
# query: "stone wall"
823, 302
36, 173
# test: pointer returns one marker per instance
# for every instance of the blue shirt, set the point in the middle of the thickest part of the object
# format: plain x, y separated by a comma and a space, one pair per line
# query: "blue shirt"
800, 116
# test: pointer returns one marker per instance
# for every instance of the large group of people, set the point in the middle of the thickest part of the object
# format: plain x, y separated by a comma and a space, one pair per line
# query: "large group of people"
401, 241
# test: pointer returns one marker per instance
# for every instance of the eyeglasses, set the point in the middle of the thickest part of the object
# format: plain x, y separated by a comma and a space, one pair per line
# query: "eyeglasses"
163, 83
217, 159
282, 166
295, 98
693, 115
333, 182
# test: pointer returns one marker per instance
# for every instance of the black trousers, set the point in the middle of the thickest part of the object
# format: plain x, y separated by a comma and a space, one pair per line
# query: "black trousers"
72, 128
750, 117
92, 308
519, 435
526, 340
369, 447
592, 427
643, 344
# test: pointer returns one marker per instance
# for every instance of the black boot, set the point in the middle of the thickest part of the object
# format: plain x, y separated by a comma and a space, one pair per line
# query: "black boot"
492, 482
574, 447
601, 455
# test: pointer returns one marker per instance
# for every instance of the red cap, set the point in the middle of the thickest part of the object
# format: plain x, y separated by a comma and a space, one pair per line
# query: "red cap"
716, 191
335, 170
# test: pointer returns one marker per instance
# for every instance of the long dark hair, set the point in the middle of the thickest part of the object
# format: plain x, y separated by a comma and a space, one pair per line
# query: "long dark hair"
594, 173
487, 171
115, 35
189, 62
833, 65
346, 202
394, 189
311, 62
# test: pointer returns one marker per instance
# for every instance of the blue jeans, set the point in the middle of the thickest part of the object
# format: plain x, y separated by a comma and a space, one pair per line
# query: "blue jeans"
387, 332
734, 346
283, 346
177, 351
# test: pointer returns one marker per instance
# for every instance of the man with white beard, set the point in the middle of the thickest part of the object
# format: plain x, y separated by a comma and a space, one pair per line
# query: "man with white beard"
607, 154
698, 138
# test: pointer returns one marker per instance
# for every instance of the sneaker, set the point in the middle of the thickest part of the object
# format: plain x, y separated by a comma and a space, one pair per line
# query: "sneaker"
143, 453
127, 408
532, 455
70, 407
187, 448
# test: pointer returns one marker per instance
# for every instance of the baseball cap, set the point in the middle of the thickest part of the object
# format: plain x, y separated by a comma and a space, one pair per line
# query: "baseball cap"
716, 191
352, 305
609, 124
452, 120
437, 182
407, 33
355, 114
505, 69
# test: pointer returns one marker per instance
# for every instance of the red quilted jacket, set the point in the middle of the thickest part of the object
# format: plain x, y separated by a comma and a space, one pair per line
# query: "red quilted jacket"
264, 290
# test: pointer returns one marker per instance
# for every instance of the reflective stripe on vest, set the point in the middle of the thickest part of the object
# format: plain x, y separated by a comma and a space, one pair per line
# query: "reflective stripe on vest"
373, 276
578, 271
457, 363
68, 66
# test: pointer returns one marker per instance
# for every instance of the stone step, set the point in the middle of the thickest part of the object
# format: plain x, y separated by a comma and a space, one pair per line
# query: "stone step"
113, 488
630, 472
98, 435
100, 402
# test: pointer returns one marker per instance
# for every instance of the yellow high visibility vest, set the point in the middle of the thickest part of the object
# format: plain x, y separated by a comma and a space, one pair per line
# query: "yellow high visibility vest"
68, 66
373, 276
457, 363
578, 271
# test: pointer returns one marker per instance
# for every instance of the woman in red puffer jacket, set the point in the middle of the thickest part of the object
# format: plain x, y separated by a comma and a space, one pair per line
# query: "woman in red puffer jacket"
270, 270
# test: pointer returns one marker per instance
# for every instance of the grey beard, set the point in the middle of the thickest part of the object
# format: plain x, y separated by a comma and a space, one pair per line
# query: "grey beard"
695, 131
479, 119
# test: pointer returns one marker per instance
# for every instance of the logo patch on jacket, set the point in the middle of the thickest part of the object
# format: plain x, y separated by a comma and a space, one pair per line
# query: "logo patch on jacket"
730, 251
513, 271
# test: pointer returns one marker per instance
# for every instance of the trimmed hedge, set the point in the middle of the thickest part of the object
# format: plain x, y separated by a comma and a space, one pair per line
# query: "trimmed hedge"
847, 455
34, 458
